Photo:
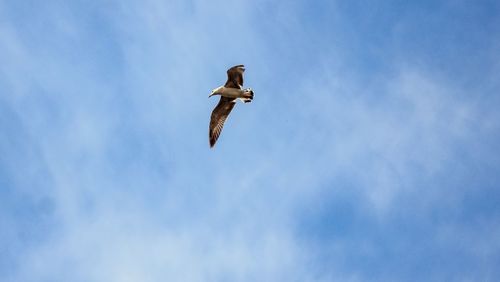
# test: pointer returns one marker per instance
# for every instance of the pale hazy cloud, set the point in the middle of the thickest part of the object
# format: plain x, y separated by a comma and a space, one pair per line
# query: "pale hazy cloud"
106, 152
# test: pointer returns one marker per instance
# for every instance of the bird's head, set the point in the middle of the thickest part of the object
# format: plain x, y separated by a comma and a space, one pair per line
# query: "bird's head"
216, 91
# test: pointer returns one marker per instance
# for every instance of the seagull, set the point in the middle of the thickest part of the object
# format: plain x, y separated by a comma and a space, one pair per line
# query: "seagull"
230, 93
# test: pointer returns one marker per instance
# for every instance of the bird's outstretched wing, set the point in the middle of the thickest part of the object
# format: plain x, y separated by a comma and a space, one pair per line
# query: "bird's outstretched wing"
235, 77
219, 116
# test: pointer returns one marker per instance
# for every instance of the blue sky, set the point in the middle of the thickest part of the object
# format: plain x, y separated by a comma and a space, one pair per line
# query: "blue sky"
368, 154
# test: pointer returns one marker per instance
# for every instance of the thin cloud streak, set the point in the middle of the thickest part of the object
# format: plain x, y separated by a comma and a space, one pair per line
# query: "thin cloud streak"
343, 175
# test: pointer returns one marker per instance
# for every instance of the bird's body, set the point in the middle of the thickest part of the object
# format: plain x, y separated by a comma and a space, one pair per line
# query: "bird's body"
230, 92
243, 94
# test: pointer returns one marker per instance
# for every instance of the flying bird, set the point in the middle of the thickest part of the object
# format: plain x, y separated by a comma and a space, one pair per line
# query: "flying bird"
230, 93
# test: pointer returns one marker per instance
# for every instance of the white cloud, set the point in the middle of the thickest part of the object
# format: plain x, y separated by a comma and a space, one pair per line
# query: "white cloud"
137, 194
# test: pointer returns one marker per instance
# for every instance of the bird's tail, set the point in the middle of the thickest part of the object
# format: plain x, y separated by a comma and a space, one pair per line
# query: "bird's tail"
248, 100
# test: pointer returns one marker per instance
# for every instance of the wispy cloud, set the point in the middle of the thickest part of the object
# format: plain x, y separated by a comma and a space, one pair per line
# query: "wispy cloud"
360, 158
